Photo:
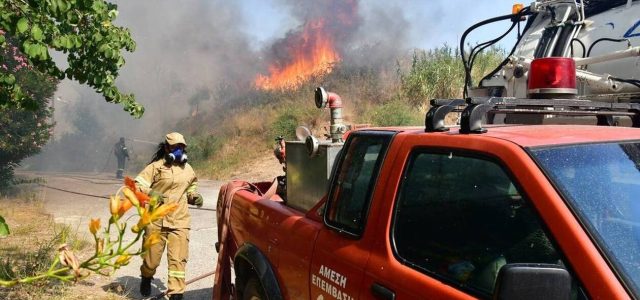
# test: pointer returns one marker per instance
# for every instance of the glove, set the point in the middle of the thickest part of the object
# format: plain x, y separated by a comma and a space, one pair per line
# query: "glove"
196, 199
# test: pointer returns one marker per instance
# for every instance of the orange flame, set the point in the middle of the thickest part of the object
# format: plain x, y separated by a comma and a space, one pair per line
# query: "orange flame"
311, 54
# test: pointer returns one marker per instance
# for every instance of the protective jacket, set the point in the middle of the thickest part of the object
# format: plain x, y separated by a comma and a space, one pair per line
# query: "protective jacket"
175, 182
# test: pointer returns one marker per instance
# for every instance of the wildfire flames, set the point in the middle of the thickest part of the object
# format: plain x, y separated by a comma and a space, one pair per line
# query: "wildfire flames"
309, 53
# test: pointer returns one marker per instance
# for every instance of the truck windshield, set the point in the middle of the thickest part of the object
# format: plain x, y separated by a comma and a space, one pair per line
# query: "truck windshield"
601, 182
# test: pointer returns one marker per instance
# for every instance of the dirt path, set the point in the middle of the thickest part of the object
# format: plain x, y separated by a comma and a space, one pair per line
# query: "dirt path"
75, 198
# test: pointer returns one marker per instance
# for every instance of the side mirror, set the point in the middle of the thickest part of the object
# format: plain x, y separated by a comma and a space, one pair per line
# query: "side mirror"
533, 281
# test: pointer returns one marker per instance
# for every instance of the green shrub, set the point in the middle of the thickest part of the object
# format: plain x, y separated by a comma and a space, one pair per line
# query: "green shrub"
393, 113
201, 148
285, 124
438, 73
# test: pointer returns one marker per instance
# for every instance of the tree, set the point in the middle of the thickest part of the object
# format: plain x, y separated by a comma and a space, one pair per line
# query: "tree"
24, 132
83, 30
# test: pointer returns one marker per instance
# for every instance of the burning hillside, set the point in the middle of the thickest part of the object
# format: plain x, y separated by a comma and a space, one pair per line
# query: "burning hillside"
312, 49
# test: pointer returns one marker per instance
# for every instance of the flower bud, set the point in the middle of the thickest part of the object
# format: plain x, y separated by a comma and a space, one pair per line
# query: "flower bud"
114, 205
163, 210
131, 196
100, 246
150, 240
94, 226
123, 260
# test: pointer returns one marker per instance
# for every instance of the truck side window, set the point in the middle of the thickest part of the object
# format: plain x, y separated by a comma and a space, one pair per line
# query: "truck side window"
461, 218
354, 181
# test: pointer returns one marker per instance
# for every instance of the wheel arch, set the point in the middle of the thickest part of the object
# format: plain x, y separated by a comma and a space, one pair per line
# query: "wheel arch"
249, 260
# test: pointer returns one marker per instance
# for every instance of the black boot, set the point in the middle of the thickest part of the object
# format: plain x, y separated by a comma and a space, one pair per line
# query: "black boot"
145, 286
175, 297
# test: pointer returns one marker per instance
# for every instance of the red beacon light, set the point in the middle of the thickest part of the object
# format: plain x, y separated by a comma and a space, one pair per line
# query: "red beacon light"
552, 77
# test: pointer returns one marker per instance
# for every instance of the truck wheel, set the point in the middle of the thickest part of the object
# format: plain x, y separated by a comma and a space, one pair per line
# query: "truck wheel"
253, 290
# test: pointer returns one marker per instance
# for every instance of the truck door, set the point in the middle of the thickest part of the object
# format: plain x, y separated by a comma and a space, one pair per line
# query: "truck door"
342, 250
458, 217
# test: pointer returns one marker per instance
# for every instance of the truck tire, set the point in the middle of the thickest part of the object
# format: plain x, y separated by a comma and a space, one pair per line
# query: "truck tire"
253, 290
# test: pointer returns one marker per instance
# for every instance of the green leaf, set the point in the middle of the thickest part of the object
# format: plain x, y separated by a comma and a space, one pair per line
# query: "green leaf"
2, 39
29, 49
10, 79
4, 228
53, 6
63, 5
77, 41
97, 37
43, 54
36, 33
67, 42
22, 25
57, 42
98, 6
72, 17
113, 14
104, 48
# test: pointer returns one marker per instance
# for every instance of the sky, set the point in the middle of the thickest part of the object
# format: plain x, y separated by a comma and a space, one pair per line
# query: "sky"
433, 22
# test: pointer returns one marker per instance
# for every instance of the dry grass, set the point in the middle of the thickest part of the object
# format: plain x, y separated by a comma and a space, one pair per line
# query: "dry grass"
30, 247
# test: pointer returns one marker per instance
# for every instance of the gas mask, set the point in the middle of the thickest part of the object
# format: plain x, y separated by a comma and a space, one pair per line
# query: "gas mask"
177, 155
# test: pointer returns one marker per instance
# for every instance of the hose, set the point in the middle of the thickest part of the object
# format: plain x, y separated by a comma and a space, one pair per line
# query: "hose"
72, 192
106, 197
513, 50
584, 49
468, 63
606, 40
474, 53
161, 295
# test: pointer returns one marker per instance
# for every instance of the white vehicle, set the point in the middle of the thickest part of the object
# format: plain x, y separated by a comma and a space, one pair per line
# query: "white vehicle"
602, 37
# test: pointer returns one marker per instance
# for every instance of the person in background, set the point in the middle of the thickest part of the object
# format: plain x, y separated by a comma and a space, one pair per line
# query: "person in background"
121, 152
169, 177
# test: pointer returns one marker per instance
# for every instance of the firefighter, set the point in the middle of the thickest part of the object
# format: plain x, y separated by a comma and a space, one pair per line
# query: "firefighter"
121, 152
170, 177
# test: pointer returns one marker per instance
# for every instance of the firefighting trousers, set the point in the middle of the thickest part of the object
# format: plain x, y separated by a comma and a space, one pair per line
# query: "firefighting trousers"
177, 242
121, 161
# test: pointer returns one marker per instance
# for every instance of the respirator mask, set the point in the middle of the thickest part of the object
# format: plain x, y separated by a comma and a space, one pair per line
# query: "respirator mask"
178, 155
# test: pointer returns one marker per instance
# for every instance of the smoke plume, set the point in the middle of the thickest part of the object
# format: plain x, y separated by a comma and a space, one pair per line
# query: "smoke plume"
187, 50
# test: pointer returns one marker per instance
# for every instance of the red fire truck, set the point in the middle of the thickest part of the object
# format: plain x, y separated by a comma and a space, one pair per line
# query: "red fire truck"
488, 208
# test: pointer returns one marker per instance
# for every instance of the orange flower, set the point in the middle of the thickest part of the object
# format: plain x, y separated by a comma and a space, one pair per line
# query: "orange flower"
129, 182
163, 210
123, 260
125, 205
142, 197
145, 219
151, 240
94, 226
129, 194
